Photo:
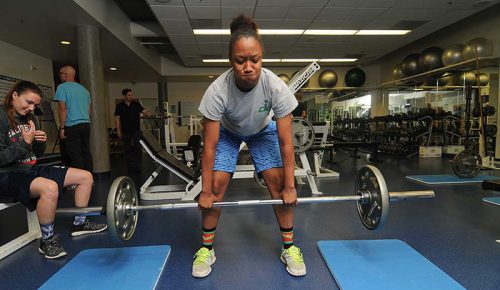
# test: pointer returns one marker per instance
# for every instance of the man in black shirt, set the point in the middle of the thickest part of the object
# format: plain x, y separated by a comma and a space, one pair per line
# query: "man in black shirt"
128, 128
301, 109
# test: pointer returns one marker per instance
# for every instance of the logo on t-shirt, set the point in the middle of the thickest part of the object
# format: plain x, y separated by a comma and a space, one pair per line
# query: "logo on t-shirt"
265, 108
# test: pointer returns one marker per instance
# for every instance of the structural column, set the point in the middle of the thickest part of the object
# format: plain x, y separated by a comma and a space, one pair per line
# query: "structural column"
162, 100
380, 102
91, 73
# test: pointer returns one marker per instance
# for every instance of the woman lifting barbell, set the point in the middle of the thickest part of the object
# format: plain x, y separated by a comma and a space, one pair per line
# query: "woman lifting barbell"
237, 108
37, 187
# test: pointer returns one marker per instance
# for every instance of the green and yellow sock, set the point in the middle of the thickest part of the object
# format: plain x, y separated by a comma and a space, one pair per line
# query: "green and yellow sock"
287, 237
208, 237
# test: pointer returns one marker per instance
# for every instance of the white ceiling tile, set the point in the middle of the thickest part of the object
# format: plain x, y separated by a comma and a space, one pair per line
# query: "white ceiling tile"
333, 24
346, 3
430, 4
269, 23
202, 2
366, 13
334, 14
270, 12
378, 3
412, 14
182, 39
283, 3
208, 38
176, 26
203, 12
245, 3
170, 12
186, 49
304, 13
169, 3
230, 12
212, 48
309, 3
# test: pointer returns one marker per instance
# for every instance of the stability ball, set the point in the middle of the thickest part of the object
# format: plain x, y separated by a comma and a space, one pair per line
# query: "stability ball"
440, 80
355, 77
484, 79
306, 84
284, 78
409, 65
465, 78
452, 54
430, 58
327, 79
484, 48
397, 73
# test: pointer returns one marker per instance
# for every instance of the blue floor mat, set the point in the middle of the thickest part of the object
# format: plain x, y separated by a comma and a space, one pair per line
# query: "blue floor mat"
112, 268
492, 200
448, 179
382, 264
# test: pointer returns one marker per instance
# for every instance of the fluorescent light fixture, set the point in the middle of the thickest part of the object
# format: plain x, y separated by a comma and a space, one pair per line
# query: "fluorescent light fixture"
337, 59
113, 68
281, 31
210, 77
65, 42
216, 60
382, 32
299, 59
271, 60
329, 32
212, 31
261, 31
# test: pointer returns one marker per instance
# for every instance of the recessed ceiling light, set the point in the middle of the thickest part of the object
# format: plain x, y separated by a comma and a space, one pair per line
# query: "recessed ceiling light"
113, 68
216, 60
212, 31
271, 60
210, 77
382, 32
65, 42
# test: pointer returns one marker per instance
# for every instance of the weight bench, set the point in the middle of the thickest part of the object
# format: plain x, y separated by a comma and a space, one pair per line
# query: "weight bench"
166, 160
319, 146
191, 176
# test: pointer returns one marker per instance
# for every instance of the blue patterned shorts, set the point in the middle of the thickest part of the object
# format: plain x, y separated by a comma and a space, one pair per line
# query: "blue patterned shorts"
264, 148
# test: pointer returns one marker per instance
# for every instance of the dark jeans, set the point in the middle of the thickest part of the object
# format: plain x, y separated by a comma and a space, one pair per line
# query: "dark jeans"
76, 146
132, 149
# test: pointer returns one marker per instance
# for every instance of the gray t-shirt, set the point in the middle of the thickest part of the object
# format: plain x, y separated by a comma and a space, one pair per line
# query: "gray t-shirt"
247, 113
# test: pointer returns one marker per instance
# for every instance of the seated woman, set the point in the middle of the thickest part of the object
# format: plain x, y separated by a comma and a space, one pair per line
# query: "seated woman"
37, 187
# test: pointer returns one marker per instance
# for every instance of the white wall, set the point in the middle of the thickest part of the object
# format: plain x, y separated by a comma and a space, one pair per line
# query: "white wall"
146, 92
22, 64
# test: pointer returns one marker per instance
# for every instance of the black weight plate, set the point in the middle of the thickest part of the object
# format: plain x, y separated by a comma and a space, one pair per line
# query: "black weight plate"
467, 164
373, 207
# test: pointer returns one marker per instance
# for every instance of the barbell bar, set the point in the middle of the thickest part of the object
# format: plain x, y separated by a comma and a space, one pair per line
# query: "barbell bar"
371, 196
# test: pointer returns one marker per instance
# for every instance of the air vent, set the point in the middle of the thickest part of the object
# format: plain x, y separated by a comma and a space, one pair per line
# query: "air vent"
205, 23
408, 24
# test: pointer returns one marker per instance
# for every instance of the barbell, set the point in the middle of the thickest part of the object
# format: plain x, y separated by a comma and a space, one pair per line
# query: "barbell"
371, 196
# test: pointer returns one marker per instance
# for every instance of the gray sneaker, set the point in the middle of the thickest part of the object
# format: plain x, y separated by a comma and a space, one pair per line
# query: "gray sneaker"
51, 248
294, 261
203, 260
87, 227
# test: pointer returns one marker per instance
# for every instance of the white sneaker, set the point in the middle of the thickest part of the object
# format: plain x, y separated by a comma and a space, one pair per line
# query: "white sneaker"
294, 261
203, 260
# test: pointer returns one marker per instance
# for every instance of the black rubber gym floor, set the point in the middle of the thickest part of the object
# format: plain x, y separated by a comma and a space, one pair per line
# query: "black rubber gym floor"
455, 230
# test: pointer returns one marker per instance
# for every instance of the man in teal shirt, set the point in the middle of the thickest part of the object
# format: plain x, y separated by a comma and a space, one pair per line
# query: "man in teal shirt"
74, 106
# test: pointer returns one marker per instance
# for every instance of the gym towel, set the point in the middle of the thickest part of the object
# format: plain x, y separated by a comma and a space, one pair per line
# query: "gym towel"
492, 200
112, 268
382, 264
448, 179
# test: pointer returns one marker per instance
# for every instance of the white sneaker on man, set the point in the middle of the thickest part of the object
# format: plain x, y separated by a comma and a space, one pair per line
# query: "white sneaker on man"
294, 261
